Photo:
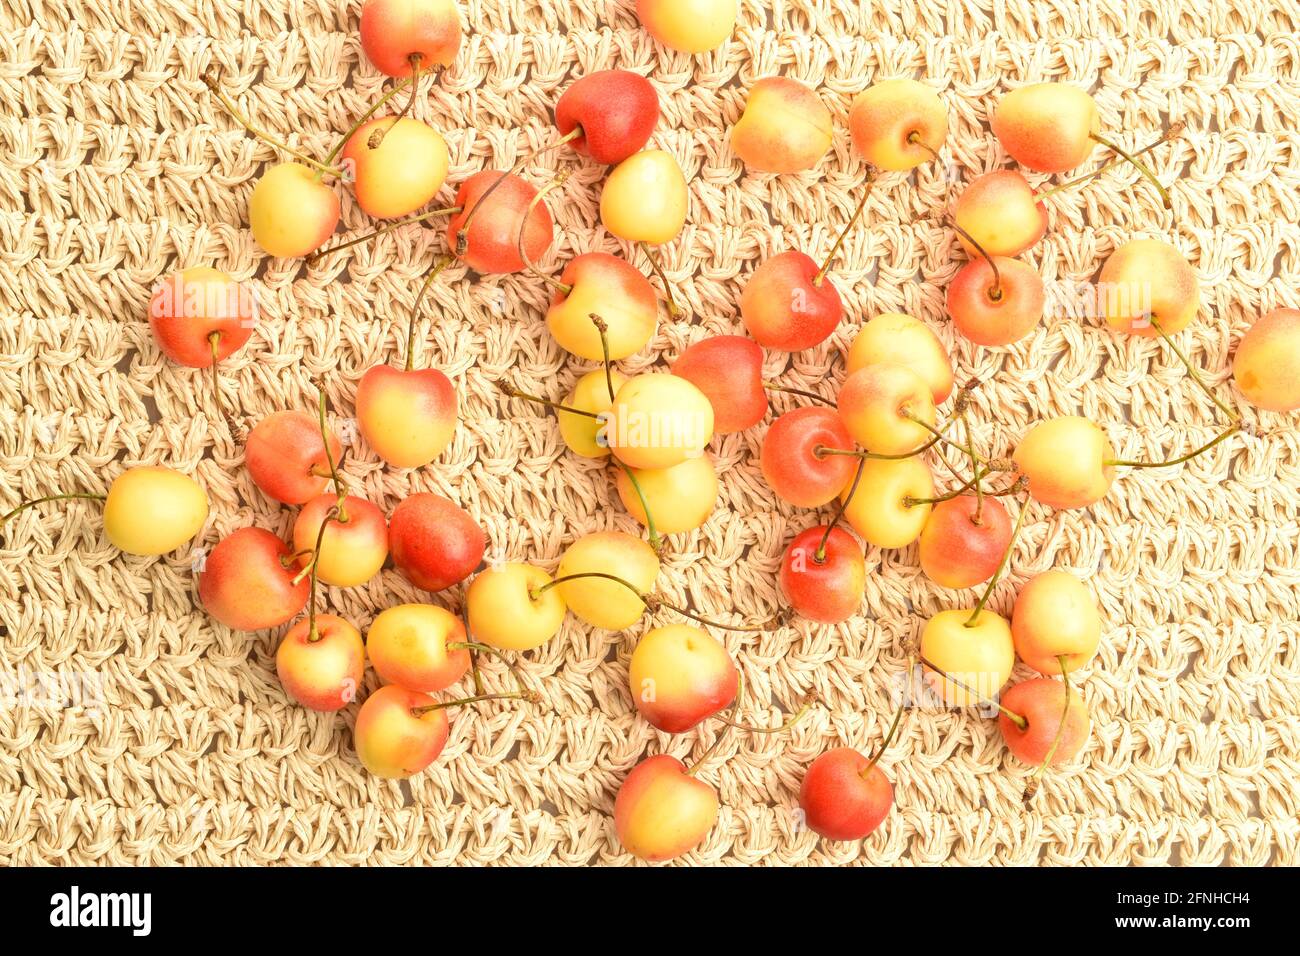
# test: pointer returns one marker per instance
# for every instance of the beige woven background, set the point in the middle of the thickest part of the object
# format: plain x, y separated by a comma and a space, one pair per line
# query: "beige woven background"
118, 169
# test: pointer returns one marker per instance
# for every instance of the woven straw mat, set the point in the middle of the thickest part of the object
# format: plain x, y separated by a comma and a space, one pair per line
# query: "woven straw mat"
120, 168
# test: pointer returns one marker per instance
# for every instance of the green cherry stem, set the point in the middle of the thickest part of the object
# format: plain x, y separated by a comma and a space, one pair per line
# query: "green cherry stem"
1181, 458
339, 490
1175, 130
602, 329
1140, 166
312, 634
214, 85
538, 400
674, 310
820, 554
377, 137
798, 391
556, 284
343, 141
382, 230
413, 323
473, 654
893, 728
474, 647
978, 518
722, 734
820, 276
914, 139
652, 601
1015, 718
821, 451
995, 291
1031, 787
1192, 370
656, 542
525, 695
1002, 566
780, 728
87, 496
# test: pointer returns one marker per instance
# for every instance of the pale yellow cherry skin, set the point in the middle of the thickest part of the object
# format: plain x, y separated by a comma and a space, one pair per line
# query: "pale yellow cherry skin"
785, 127
1056, 616
152, 510
680, 498
893, 338
509, 610
291, 212
689, 26
645, 198
1066, 461
590, 394
658, 420
407, 416
1047, 126
599, 601
879, 511
981, 656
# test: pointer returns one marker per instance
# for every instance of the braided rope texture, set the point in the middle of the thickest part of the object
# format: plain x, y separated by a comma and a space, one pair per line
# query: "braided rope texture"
120, 168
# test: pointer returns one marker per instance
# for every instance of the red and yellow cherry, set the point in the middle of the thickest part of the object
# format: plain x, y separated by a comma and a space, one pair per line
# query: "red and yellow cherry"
407, 415
963, 541
890, 506
396, 34
321, 661
789, 304
679, 676
1001, 212
794, 463
662, 811
605, 285
291, 212
1049, 127
1067, 461
151, 510
1266, 367
591, 393
728, 369
996, 303
898, 124
1147, 282
598, 600
978, 657
250, 581
418, 647
398, 165
514, 607
615, 111
286, 456
1041, 702
434, 542
679, 498
199, 316
881, 406
823, 576
394, 737
354, 545
690, 26
1055, 617
644, 198
892, 338
492, 239
844, 795
785, 127
658, 420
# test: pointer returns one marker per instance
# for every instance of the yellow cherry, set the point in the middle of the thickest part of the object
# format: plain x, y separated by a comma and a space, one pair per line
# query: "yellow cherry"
291, 212
892, 338
680, 498
980, 655
879, 509
644, 199
152, 510
658, 420
600, 601
513, 607
590, 394
690, 26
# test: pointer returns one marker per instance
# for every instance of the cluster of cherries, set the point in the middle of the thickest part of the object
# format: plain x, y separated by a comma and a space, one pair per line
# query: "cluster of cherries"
865, 451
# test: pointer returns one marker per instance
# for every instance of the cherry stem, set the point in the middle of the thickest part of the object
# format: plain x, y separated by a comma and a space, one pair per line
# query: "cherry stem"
820, 554
1175, 130
214, 341
780, 728
462, 234
1015, 488
40, 501
1140, 166
1015, 718
1002, 566
995, 292
440, 211
652, 602
338, 147
475, 647
214, 85
939, 436
473, 654
656, 542
602, 329
1182, 458
339, 490
312, 634
1192, 370
413, 323
377, 137
893, 728
515, 393
978, 518
914, 138
1031, 787
798, 391
821, 451
523, 226
289, 560
839, 241
526, 695
722, 734
674, 310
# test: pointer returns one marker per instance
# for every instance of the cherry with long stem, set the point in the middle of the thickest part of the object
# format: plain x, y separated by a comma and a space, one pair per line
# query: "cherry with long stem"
652, 601
1192, 370
214, 84
383, 230
462, 234
893, 728
1181, 458
1175, 130
1018, 719
538, 400
652, 533
995, 290
361, 120
1031, 786
602, 329
474, 647
377, 137
1140, 166
413, 323
820, 275
780, 728
1002, 566
339, 488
